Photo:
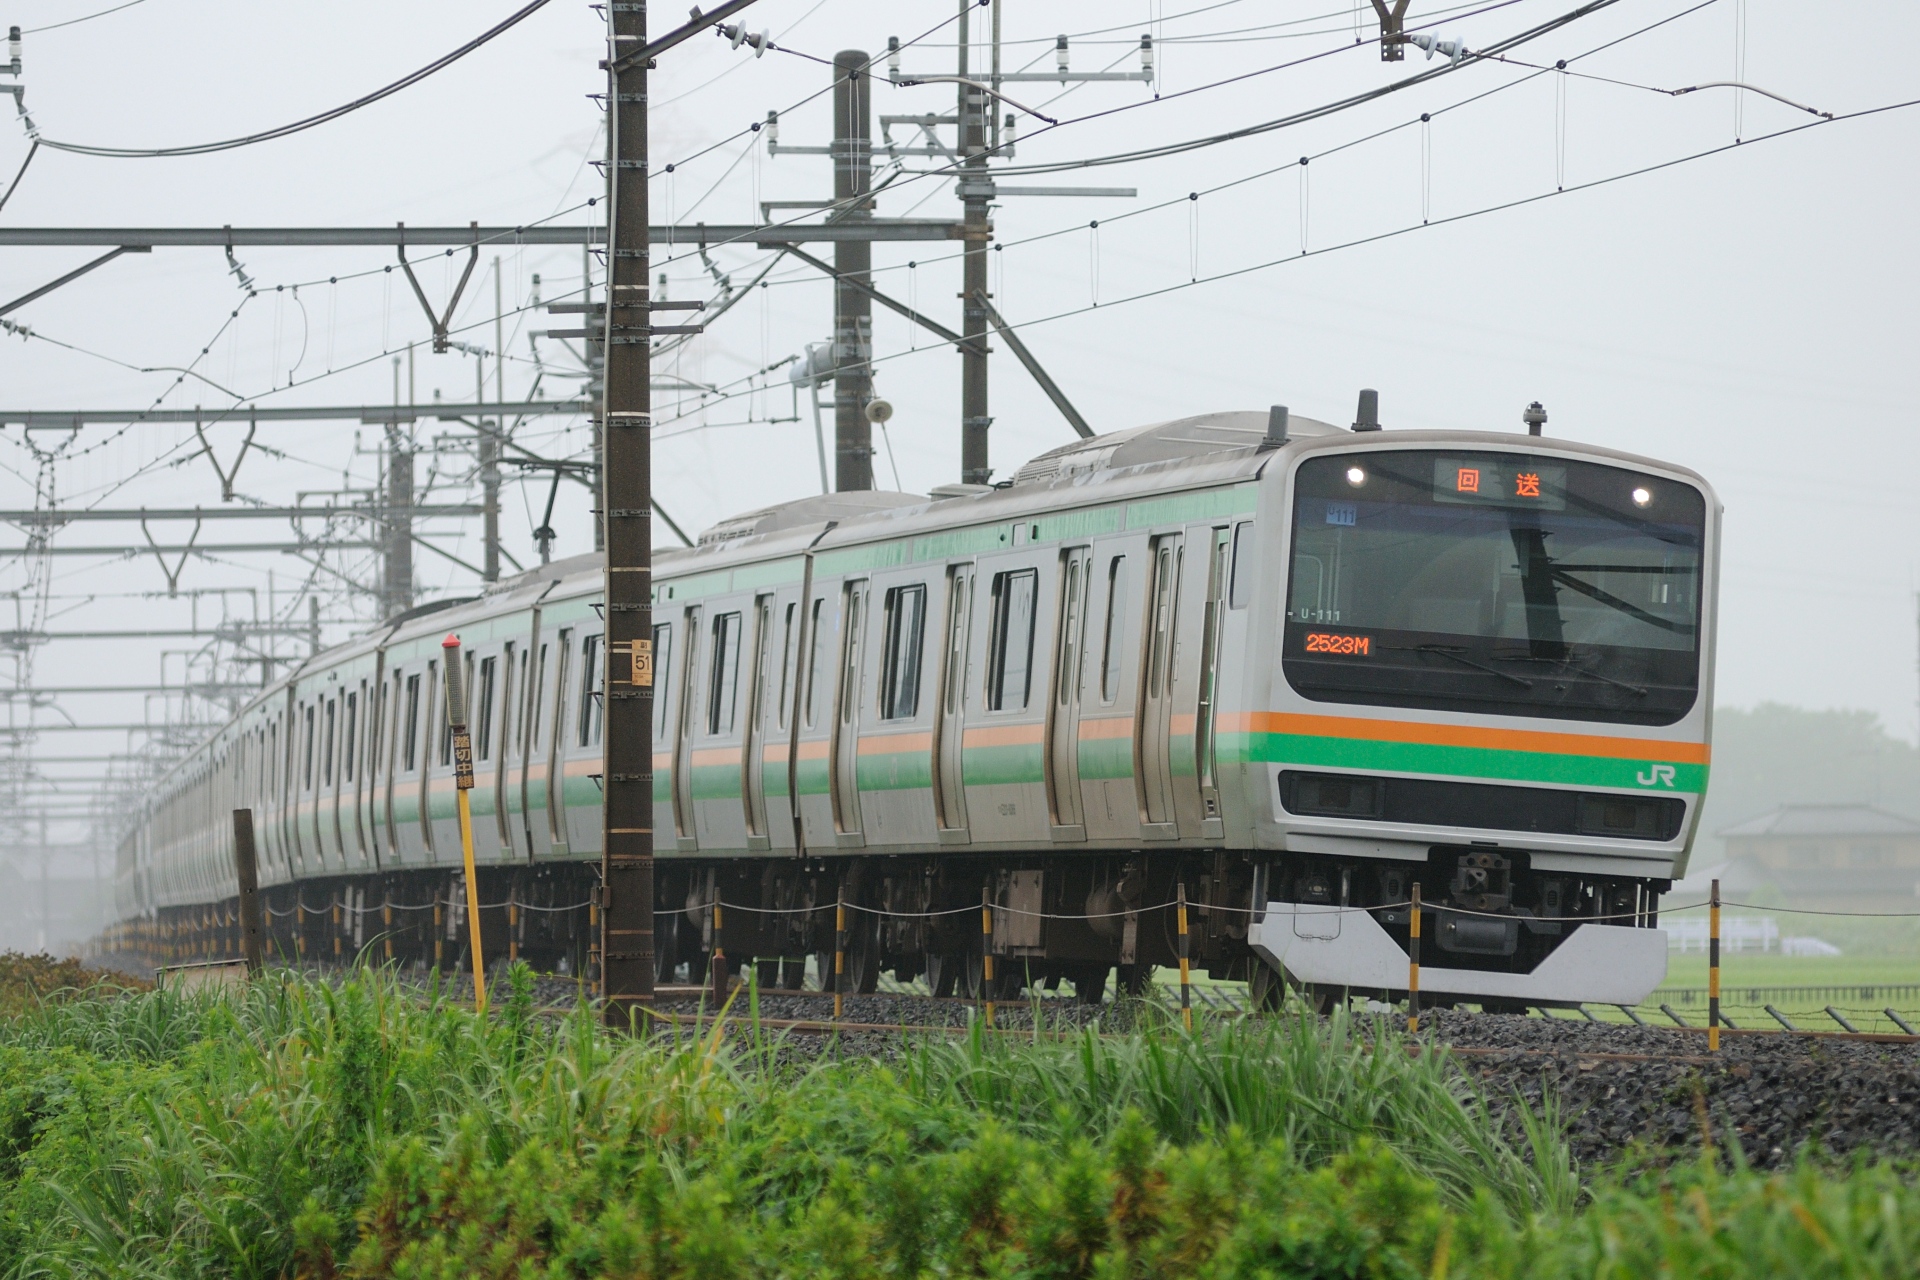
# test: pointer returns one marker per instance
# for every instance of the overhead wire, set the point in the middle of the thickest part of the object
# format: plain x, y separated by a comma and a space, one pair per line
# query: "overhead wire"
74, 22
1375, 238
324, 117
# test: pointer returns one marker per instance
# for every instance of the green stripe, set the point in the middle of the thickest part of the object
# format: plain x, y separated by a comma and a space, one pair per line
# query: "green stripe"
1464, 762
1106, 759
716, 781
885, 555
771, 574
985, 766
1081, 524
1180, 508
704, 584
894, 771
961, 542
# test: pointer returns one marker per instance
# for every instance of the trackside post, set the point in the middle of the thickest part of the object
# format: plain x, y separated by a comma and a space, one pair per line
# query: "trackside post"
456, 673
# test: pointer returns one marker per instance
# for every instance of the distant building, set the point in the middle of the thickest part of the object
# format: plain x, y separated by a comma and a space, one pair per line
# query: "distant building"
1841, 857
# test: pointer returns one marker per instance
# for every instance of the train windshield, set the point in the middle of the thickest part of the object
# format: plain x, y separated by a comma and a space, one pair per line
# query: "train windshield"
1495, 582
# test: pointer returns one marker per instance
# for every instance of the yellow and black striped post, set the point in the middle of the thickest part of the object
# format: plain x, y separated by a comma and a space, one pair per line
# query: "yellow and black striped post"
1713, 969
456, 699
986, 950
839, 952
386, 926
1413, 963
1186, 989
717, 970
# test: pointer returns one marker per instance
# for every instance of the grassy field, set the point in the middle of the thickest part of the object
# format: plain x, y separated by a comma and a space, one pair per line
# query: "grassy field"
370, 1130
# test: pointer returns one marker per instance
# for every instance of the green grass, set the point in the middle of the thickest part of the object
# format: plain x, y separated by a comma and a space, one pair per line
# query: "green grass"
297, 1129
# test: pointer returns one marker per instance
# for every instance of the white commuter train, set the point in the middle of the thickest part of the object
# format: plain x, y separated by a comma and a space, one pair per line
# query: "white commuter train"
1289, 669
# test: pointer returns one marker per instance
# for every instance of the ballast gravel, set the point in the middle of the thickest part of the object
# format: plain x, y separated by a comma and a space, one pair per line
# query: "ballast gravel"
1771, 1093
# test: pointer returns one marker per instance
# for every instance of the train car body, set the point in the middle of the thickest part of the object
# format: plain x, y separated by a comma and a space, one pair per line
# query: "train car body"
1286, 675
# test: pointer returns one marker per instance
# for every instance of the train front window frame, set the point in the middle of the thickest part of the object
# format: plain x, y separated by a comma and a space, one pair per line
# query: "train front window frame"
1496, 582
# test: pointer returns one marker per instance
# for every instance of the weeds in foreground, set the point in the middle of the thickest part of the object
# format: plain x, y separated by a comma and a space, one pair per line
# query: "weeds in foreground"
300, 1128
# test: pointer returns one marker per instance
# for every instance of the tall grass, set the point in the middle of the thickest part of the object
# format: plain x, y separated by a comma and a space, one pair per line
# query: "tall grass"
299, 1128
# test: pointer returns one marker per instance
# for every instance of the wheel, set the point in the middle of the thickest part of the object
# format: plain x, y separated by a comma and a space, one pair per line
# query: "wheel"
1135, 978
823, 971
1090, 983
793, 973
1266, 989
767, 974
666, 946
943, 972
863, 958
1320, 997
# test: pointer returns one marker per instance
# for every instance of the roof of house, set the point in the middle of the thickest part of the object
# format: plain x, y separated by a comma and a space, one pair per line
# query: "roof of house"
1825, 820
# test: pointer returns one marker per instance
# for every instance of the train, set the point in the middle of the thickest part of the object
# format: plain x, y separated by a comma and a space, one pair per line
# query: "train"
1286, 673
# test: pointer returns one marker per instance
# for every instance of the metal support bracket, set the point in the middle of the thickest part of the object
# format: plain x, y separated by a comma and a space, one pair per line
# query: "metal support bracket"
1393, 36
1025, 357
227, 475
73, 275
173, 574
439, 323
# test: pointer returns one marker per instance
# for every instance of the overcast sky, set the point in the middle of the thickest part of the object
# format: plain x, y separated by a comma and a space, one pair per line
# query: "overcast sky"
1748, 314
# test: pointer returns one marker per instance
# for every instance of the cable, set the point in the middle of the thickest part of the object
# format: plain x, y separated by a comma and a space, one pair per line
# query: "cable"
72, 22
207, 148
32, 151
1384, 235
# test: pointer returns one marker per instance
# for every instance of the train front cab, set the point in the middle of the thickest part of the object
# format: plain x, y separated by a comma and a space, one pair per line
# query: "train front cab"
1491, 664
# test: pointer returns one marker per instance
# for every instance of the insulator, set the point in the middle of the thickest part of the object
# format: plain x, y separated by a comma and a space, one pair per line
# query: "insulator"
1060, 54
1146, 54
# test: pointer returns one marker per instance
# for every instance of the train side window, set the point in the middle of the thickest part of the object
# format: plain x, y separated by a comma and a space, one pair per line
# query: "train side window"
536, 701
483, 710
589, 690
1242, 573
306, 753
722, 692
662, 671
789, 658
1113, 652
409, 755
906, 623
326, 743
812, 671
1010, 642
352, 736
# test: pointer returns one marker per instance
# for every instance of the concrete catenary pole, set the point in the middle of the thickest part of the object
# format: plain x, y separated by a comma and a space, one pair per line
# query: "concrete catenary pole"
976, 192
626, 486
853, 260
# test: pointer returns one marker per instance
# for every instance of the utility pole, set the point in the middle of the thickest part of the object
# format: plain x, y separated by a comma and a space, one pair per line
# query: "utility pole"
853, 261
490, 440
596, 349
975, 191
625, 491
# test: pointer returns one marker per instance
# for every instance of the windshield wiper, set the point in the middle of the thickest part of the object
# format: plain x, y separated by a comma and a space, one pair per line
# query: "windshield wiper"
1611, 601
1579, 662
1449, 651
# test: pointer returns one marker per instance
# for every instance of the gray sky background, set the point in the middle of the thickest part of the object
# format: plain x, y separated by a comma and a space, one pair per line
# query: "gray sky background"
1749, 314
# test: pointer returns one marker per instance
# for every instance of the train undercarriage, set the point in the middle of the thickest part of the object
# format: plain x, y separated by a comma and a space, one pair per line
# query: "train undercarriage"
1050, 919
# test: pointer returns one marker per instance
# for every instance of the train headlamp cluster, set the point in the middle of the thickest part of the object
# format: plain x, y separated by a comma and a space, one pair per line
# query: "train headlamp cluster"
1356, 477
1642, 496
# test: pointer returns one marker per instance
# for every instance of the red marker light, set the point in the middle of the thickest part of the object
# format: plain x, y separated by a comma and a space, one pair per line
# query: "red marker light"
1469, 481
451, 642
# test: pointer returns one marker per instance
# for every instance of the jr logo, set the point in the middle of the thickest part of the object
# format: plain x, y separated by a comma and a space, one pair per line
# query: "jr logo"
1657, 775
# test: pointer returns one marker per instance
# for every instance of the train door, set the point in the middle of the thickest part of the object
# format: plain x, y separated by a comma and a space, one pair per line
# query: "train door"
844, 781
753, 764
683, 825
1213, 621
1062, 771
533, 671
556, 731
582, 819
504, 749
664, 683
949, 726
1152, 742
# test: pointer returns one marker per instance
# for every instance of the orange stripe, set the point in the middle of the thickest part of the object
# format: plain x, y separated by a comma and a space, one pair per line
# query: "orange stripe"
895, 743
1455, 735
715, 755
774, 753
816, 750
1178, 724
1110, 727
1003, 735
